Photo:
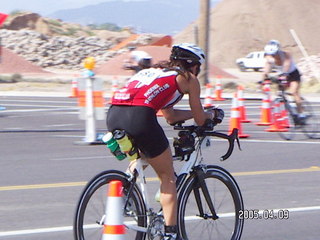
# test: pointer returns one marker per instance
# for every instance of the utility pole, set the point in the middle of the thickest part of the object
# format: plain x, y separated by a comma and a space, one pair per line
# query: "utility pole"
203, 37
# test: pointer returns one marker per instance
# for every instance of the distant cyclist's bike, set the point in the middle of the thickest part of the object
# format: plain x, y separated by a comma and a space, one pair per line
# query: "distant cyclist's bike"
209, 199
289, 119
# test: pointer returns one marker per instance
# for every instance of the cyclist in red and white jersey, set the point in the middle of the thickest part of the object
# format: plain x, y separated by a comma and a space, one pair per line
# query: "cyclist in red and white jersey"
134, 109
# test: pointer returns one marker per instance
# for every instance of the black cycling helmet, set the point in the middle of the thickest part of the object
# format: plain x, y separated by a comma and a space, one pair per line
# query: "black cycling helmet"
188, 52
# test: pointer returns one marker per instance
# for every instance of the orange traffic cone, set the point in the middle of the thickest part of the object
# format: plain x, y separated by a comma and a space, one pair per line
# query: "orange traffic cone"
74, 88
284, 115
276, 125
115, 86
114, 228
208, 99
159, 113
235, 118
218, 90
242, 108
265, 119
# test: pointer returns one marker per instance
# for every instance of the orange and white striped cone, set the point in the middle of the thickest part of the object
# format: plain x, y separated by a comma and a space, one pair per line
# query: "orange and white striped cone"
208, 99
242, 108
74, 88
218, 90
114, 228
276, 125
265, 118
235, 118
114, 87
284, 115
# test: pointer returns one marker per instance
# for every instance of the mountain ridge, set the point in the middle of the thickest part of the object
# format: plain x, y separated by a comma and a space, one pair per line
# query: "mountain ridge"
171, 17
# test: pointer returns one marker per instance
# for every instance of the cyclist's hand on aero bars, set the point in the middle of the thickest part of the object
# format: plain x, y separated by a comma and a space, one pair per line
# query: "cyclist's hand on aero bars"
218, 115
283, 78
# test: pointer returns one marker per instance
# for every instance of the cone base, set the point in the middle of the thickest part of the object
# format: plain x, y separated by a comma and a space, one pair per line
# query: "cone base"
246, 121
208, 105
263, 123
275, 129
243, 135
73, 96
159, 114
219, 99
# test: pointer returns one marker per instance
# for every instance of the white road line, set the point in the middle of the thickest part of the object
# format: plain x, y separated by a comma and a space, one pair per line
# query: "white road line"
80, 158
69, 228
277, 141
35, 231
37, 105
40, 110
60, 125
33, 100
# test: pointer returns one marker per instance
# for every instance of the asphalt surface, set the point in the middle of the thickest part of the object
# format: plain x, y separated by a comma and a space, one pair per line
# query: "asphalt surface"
43, 171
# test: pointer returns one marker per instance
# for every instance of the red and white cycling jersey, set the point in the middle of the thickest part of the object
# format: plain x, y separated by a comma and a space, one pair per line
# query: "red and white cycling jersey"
152, 87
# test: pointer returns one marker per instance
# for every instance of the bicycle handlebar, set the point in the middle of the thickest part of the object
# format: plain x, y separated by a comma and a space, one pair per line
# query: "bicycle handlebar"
282, 83
204, 131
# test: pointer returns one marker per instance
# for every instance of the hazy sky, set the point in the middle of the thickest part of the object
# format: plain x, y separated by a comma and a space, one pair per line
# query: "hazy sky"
44, 7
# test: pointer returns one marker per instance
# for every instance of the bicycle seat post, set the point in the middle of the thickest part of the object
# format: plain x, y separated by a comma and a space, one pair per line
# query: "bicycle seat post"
142, 180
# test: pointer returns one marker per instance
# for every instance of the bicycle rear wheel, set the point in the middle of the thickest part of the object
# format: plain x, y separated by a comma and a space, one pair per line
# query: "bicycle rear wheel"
227, 200
88, 222
310, 124
288, 120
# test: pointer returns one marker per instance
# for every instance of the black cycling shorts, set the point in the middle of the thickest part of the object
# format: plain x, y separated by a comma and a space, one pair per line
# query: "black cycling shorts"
142, 125
294, 76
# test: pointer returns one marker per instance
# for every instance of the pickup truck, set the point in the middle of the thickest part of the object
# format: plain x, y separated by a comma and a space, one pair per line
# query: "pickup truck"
254, 60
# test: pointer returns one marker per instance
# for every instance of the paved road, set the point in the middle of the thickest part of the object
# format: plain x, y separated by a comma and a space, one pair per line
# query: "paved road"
43, 171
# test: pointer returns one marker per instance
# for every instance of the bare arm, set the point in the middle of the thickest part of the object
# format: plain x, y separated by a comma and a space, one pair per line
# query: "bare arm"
176, 115
192, 88
287, 62
268, 66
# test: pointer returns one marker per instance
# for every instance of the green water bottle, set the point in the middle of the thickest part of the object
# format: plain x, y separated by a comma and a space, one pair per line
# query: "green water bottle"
113, 145
126, 144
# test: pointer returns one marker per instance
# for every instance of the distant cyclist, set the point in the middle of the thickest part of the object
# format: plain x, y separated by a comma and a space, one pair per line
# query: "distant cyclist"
138, 60
275, 57
134, 109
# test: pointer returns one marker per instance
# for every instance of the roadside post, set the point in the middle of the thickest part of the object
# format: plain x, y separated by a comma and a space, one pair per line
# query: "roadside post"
90, 102
3, 17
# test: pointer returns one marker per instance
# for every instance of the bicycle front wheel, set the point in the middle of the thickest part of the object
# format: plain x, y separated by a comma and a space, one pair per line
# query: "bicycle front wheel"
196, 221
310, 123
90, 212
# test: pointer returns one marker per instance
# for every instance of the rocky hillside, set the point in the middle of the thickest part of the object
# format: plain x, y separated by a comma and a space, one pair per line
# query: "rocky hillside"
52, 43
53, 27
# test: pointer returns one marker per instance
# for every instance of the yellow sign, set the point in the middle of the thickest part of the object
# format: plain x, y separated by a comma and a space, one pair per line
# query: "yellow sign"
89, 63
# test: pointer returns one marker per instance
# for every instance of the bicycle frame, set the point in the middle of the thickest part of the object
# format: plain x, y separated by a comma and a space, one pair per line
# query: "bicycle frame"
281, 93
139, 177
191, 164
